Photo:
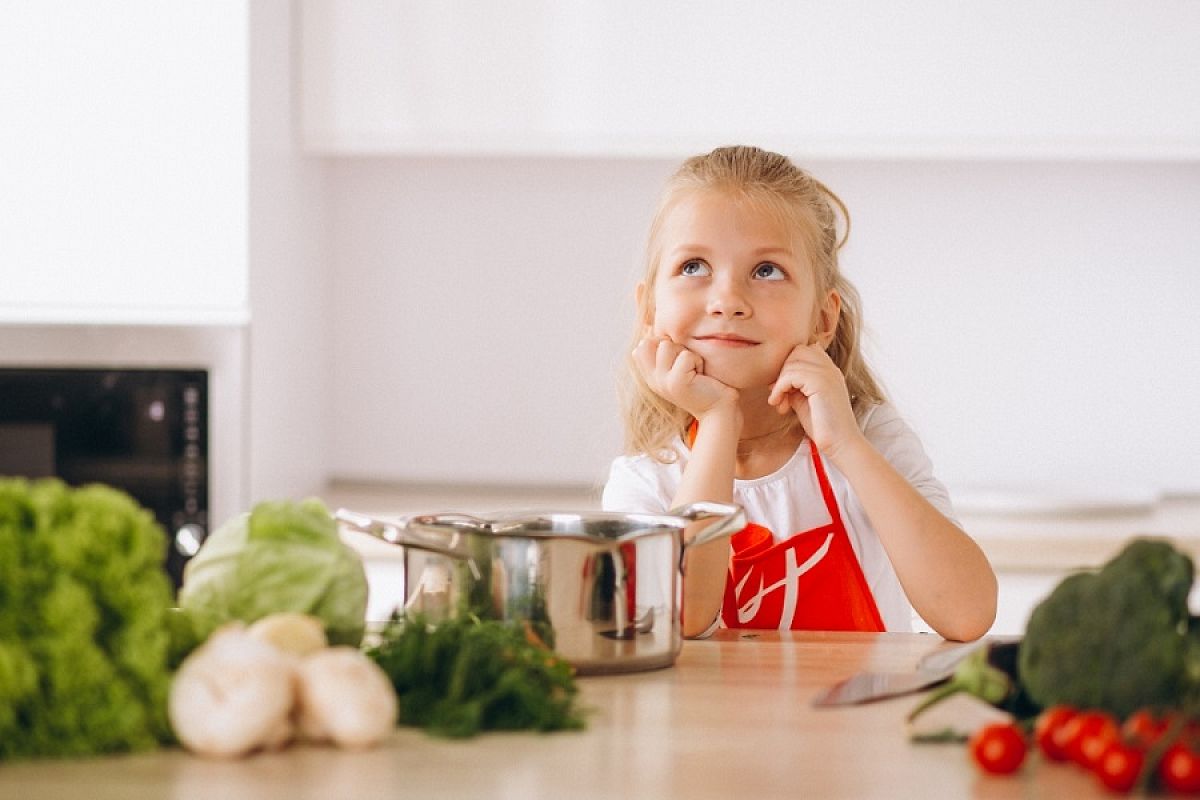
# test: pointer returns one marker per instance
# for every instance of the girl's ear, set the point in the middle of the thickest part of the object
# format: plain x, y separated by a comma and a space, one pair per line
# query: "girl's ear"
827, 318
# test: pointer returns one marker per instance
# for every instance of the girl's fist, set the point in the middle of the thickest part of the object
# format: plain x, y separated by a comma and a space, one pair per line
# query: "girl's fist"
812, 387
677, 375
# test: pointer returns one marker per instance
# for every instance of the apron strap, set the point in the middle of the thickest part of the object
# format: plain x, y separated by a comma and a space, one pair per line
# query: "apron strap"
831, 504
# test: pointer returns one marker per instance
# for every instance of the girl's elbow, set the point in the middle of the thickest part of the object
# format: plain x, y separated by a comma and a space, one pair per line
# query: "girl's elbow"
972, 623
694, 630
979, 612
968, 631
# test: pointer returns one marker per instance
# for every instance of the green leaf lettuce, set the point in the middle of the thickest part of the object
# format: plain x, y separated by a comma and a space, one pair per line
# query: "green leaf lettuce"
83, 641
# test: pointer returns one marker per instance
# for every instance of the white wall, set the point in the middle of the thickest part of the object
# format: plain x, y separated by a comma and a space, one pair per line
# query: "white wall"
1035, 320
291, 328
481, 312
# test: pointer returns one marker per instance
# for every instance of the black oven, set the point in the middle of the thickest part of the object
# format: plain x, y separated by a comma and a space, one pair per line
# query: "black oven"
144, 431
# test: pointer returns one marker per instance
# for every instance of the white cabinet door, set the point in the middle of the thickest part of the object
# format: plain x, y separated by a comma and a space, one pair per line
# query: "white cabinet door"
123, 161
1077, 78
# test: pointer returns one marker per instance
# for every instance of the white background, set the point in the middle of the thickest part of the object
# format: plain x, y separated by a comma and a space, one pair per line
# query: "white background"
453, 308
1035, 320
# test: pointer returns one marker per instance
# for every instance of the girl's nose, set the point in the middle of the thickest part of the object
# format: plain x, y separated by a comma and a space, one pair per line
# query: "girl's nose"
724, 300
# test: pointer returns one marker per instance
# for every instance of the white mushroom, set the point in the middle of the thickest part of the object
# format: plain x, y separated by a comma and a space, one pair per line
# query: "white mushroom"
233, 695
345, 697
291, 632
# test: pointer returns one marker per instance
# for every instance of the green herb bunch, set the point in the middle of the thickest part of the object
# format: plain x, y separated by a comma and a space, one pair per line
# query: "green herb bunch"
466, 675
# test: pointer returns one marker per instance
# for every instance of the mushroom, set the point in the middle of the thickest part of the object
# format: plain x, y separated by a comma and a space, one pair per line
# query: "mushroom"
291, 632
233, 695
345, 697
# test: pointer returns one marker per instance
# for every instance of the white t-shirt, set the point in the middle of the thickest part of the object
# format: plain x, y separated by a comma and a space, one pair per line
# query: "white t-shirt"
789, 501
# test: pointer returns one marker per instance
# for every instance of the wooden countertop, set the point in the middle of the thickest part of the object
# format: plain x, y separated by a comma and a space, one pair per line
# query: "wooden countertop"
732, 718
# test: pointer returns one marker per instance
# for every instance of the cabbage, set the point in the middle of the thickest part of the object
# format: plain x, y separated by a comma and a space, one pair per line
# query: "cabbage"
280, 556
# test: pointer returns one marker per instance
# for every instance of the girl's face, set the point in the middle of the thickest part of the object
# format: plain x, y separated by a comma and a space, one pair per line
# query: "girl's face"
732, 288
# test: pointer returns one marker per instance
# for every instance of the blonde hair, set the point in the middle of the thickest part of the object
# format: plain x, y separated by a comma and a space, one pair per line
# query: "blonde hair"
806, 207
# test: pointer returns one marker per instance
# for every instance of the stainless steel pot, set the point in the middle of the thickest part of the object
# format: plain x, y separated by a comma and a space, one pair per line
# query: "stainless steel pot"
602, 589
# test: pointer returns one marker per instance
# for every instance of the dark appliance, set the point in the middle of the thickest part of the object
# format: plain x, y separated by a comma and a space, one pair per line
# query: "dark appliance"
141, 430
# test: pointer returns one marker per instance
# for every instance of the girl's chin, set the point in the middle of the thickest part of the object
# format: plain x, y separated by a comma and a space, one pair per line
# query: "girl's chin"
740, 380
742, 376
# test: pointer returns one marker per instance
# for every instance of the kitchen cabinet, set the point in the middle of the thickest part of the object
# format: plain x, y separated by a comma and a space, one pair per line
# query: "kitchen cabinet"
827, 80
124, 161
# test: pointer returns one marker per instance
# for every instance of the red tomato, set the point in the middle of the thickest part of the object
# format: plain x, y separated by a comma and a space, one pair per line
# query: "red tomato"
1119, 766
998, 748
1179, 769
1048, 729
1088, 734
1144, 727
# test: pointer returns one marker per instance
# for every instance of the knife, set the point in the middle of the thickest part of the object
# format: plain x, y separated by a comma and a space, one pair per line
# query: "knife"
865, 687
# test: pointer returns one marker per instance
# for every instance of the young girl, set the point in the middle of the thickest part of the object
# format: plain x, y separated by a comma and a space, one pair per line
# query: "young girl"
748, 386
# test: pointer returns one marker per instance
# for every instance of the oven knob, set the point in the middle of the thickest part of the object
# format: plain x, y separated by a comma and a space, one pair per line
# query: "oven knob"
188, 539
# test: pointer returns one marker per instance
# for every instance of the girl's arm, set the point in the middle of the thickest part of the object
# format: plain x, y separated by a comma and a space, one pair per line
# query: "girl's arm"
708, 476
946, 576
943, 571
677, 374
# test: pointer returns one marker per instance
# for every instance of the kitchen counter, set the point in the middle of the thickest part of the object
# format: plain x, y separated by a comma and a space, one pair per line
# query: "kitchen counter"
1065, 541
732, 718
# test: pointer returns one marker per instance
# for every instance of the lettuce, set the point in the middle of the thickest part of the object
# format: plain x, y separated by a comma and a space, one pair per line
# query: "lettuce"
83, 638
280, 556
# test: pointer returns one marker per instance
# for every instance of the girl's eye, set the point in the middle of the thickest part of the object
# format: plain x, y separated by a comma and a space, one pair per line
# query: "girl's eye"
769, 272
695, 267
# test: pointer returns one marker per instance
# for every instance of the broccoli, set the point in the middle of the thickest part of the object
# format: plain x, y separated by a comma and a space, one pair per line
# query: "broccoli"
83, 637
1117, 639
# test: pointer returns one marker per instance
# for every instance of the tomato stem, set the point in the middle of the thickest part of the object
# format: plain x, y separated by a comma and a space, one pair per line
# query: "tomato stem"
1156, 751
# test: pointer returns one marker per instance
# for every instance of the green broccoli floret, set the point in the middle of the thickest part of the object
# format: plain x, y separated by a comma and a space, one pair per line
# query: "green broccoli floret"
1116, 639
83, 639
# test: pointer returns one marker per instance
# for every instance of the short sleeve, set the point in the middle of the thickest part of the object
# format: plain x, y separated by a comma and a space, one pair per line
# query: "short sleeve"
899, 444
632, 487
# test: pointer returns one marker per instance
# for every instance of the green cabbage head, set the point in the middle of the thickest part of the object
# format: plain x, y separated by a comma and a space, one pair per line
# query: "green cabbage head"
280, 556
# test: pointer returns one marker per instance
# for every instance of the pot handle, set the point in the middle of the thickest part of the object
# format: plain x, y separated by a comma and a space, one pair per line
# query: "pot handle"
414, 532
734, 520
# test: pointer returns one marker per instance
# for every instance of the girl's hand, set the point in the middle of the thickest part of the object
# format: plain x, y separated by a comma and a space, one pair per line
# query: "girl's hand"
676, 374
811, 386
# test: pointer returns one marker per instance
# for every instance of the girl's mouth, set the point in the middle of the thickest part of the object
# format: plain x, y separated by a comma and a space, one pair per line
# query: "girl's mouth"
726, 340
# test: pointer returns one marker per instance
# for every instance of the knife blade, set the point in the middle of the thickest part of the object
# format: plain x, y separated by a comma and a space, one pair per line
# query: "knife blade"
865, 687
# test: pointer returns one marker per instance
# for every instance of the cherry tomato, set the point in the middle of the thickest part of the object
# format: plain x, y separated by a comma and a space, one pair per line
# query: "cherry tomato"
1088, 734
1119, 766
1143, 727
1179, 769
998, 748
1047, 729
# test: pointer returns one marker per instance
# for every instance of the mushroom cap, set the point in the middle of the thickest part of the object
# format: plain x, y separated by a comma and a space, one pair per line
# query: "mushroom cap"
291, 632
232, 695
345, 697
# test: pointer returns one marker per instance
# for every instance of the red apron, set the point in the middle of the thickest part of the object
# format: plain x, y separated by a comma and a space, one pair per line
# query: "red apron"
809, 581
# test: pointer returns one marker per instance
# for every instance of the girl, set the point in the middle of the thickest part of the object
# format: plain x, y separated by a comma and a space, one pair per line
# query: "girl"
748, 386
